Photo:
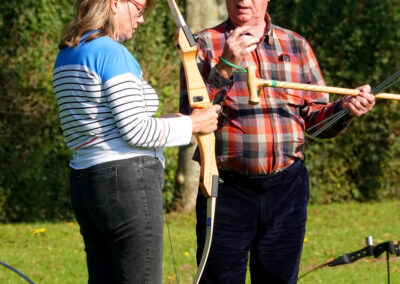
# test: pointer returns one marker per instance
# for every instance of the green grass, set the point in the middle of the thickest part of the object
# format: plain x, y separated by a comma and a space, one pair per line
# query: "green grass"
53, 252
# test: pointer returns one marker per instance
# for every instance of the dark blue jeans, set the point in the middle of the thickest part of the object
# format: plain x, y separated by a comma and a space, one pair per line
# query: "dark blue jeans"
265, 216
118, 206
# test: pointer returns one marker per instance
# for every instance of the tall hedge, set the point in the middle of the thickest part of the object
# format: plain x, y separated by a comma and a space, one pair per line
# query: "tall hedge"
356, 42
33, 156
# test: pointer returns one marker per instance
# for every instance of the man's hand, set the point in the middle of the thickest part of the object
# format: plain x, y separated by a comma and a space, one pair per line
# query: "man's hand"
238, 44
361, 104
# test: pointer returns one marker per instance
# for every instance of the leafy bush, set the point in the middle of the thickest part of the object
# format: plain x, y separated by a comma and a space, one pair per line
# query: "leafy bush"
355, 43
33, 156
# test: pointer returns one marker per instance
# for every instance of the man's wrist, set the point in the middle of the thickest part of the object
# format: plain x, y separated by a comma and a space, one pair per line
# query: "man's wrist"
224, 70
217, 80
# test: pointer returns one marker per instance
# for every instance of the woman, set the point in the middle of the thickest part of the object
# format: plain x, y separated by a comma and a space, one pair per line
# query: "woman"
106, 111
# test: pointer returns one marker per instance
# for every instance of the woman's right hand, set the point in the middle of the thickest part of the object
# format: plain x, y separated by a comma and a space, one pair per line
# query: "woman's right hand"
205, 120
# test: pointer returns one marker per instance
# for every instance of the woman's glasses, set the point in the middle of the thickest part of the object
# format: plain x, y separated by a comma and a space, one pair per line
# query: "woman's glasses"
140, 7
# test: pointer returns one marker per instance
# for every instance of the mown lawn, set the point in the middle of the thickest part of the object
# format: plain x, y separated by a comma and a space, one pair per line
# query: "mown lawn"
53, 252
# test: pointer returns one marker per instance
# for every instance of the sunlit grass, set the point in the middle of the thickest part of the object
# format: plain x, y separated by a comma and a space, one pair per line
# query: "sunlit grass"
53, 253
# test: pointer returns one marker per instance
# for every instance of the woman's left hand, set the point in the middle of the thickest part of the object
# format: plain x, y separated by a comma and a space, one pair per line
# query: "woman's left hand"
360, 104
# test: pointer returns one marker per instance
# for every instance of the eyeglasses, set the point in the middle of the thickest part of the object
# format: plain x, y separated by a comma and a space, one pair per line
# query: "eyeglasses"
140, 7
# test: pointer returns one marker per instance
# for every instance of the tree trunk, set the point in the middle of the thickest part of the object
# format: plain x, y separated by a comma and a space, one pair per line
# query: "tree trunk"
199, 15
187, 179
205, 13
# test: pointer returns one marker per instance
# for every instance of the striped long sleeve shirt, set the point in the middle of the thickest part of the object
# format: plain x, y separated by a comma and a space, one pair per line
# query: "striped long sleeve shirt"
261, 139
106, 108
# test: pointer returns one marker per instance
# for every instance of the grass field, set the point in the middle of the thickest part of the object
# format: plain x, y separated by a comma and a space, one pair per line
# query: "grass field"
53, 252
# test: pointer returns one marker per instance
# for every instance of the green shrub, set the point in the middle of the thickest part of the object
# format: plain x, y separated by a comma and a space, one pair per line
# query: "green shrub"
355, 42
33, 156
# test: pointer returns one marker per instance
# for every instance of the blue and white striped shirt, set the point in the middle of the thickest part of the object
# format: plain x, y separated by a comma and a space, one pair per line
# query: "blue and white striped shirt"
106, 108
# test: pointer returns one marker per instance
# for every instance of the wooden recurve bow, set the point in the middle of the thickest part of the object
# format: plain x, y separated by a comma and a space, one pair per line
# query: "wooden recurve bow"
198, 98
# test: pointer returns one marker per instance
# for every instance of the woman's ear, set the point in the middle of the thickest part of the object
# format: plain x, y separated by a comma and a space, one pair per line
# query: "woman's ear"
114, 6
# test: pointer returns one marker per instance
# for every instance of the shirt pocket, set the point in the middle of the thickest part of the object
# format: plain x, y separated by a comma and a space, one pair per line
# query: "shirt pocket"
289, 104
292, 72
292, 98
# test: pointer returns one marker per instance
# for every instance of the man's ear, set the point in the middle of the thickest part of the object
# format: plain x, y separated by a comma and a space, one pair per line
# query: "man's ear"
114, 6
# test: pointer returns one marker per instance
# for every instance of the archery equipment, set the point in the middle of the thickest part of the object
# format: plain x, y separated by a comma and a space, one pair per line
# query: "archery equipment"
18, 272
255, 83
329, 121
186, 44
391, 247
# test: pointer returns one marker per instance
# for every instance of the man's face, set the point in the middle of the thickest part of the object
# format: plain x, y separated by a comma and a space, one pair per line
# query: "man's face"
246, 12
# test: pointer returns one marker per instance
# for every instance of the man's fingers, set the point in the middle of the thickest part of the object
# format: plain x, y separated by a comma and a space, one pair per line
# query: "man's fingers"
360, 104
248, 40
364, 101
242, 41
365, 89
240, 31
242, 34
370, 98
250, 48
234, 50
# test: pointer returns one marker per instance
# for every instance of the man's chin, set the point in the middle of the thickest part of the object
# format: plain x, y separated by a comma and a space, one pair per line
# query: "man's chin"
242, 20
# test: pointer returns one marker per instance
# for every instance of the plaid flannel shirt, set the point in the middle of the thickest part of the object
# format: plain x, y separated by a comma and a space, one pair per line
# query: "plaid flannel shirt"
265, 138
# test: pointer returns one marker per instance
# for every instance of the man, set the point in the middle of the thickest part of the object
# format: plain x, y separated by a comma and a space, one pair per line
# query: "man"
262, 204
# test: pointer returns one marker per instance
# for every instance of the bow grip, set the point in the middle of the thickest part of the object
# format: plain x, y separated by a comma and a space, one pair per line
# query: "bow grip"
209, 176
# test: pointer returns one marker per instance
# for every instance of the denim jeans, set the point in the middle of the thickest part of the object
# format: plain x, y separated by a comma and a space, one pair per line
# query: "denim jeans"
118, 206
263, 215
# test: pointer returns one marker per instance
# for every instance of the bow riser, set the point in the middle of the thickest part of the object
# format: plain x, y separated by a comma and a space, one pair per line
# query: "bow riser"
197, 92
198, 98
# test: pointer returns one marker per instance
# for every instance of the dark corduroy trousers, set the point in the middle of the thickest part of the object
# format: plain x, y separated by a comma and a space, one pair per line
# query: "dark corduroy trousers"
264, 216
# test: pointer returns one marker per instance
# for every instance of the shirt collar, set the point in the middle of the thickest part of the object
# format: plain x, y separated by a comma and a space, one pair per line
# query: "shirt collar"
268, 33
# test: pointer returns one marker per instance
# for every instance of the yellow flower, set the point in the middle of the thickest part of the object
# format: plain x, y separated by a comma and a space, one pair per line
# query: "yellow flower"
305, 240
39, 231
171, 278
186, 253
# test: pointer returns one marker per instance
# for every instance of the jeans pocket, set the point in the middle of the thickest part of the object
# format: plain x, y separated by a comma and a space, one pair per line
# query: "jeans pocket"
150, 171
100, 186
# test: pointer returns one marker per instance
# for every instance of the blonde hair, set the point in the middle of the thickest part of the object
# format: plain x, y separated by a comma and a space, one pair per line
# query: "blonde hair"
90, 15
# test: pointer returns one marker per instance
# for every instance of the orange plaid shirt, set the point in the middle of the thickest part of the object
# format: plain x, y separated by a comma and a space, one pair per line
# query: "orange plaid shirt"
261, 139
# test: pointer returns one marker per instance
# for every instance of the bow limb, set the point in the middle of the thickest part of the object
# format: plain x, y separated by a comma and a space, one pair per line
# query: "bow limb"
198, 98
211, 201
209, 187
